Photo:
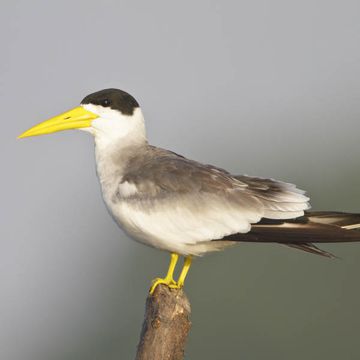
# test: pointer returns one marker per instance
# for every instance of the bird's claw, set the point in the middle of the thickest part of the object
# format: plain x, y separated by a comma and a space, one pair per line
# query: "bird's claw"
169, 282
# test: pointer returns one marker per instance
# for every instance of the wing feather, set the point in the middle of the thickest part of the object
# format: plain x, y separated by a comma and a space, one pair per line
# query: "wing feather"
195, 202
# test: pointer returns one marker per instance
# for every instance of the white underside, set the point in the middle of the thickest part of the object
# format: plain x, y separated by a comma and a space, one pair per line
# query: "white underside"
187, 224
179, 228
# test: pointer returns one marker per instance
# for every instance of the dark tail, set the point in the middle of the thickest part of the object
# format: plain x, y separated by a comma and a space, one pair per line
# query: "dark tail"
302, 232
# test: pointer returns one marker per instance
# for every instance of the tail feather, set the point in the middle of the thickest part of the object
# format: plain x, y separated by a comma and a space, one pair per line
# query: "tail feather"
302, 232
311, 248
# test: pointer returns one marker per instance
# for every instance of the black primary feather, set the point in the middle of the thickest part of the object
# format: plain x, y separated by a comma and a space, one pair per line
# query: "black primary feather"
302, 232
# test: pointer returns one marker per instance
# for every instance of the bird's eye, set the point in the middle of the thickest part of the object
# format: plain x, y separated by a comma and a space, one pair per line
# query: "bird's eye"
105, 102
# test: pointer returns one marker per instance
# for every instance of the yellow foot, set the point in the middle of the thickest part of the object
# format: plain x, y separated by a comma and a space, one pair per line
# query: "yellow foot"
169, 278
171, 283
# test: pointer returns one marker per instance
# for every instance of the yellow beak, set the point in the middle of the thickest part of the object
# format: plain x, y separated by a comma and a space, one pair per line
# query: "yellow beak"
74, 119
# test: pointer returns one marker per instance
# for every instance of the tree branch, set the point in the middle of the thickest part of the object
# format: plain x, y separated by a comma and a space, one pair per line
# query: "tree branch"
166, 325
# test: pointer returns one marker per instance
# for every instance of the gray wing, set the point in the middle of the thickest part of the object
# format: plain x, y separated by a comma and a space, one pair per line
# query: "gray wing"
166, 173
201, 201
281, 200
161, 173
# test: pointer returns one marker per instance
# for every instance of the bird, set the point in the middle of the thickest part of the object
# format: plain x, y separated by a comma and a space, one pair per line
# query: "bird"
187, 208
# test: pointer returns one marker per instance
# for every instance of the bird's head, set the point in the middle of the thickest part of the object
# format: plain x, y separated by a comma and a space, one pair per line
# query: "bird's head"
109, 115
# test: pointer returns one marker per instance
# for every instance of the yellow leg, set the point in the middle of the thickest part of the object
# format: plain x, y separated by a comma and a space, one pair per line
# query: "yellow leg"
169, 278
184, 271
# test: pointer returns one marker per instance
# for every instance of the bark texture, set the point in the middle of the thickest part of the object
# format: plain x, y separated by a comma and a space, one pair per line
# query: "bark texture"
166, 325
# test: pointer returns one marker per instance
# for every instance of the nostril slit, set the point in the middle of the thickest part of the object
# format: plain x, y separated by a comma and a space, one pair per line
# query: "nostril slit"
67, 118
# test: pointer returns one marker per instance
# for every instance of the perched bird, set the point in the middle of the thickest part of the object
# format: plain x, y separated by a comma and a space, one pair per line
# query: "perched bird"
167, 201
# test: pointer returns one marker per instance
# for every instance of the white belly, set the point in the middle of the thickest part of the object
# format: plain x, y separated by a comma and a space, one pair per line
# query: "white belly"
185, 225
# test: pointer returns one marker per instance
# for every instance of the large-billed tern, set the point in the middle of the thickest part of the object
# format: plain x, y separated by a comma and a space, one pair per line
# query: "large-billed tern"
167, 201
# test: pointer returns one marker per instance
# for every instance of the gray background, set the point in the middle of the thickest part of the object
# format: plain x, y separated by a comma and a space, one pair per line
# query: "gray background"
268, 88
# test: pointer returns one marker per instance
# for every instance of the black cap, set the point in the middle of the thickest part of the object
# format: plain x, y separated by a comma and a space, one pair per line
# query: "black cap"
113, 98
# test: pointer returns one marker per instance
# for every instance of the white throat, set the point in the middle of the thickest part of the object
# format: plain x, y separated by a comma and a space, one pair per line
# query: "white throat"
112, 128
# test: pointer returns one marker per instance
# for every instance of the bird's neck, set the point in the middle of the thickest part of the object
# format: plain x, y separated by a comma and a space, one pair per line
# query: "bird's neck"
119, 131
113, 156
117, 140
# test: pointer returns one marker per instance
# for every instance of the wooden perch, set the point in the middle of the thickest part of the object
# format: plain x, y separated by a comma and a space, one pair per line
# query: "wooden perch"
166, 325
